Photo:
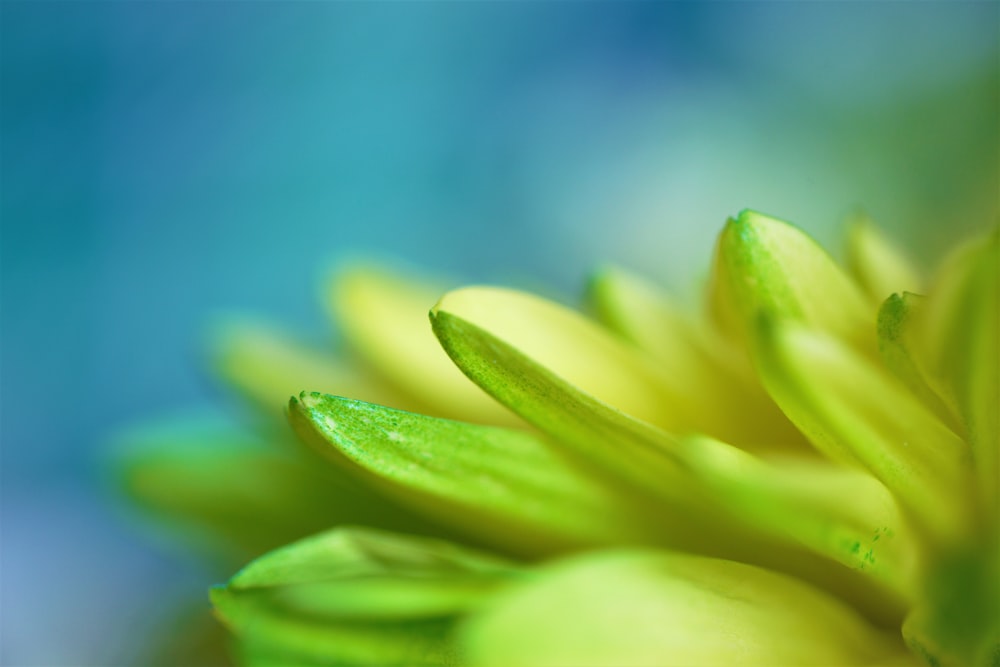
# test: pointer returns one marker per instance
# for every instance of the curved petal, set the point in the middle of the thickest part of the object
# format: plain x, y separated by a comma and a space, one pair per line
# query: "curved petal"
876, 264
574, 348
236, 496
655, 608
962, 343
766, 266
599, 432
268, 366
899, 346
855, 413
383, 316
357, 596
726, 400
509, 487
363, 573
649, 459
841, 513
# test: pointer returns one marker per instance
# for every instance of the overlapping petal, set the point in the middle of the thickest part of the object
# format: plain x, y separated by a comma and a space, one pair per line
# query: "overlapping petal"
653, 462
383, 316
237, 497
510, 488
841, 513
857, 414
899, 323
765, 266
356, 596
961, 330
655, 429
267, 366
876, 264
720, 393
656, 608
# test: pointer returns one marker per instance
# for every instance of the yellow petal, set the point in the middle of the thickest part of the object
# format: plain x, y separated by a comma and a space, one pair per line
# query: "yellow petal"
383, 316
657, 608
726, 400
622, 446
768, 266
267, 367
899, 345
224, 489
575, 349
876, 264
855, 413
841, 513
962, 342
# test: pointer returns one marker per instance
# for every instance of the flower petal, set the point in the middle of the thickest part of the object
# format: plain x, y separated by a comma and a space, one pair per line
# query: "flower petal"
509, 487
383, 315
357, 596
231, 493
573, 347
656, 608
962, 339
716, 379
764, 265
641, 313
267, 367
363, 573
876, 264
647, 458
291, 637
899, 320
603, 434
844, 514
855, 413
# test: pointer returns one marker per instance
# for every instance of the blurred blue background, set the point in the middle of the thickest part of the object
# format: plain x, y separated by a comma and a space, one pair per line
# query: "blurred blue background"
163, 162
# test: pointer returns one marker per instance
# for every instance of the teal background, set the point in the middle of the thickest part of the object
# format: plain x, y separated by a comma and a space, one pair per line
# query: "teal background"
165, 162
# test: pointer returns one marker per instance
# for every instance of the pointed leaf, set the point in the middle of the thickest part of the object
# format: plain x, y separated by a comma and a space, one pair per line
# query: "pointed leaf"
855, 413
768, 266
656, 608
876, 264
383, 315
506, 486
